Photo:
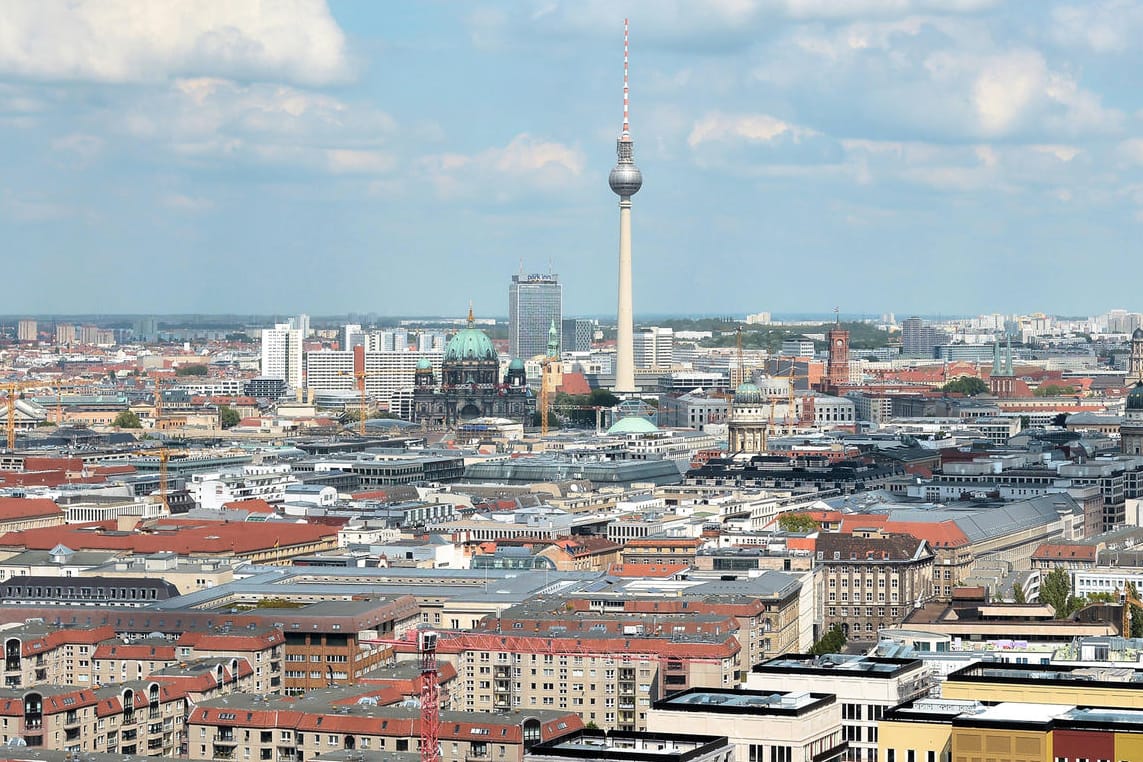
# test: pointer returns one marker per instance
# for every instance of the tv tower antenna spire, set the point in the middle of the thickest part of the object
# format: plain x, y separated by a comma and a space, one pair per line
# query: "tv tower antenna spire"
626, 89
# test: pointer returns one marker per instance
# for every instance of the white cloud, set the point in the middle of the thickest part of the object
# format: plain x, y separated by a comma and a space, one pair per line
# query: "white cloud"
750, 127
500, 173
1103, 27
208, 119
118, 41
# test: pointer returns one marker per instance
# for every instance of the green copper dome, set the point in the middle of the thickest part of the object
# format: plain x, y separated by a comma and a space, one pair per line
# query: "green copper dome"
470, 344
633, 424
747, 392
1135, 398
516, 364
424, 364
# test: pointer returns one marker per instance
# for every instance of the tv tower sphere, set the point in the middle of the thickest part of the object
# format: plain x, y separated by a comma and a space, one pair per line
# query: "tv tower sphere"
625, 178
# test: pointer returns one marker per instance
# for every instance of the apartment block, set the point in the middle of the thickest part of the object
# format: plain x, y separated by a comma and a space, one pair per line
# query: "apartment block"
256, 727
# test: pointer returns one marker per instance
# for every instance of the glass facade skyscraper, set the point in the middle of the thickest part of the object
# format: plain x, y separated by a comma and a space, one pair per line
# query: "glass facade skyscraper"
534, 301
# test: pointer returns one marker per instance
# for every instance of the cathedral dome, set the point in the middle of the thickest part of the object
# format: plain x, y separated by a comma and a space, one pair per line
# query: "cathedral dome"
516, 364
747, 392
470, 344
1135, 398
1137, 334
424, 364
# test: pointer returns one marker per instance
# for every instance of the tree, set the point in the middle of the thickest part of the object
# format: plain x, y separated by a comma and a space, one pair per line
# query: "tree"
1018, 593
127, 420
602, 398
1056, 591
1054, 390
969, 386
797, 522
228, 417
831, 643
194, 369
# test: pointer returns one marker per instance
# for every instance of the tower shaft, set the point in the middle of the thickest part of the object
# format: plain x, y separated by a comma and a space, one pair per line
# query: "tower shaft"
625, 319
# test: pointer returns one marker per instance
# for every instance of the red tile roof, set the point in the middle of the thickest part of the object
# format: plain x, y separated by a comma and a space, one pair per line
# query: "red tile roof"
254, 505
15, 508
184, 537
942, 534
1064, 552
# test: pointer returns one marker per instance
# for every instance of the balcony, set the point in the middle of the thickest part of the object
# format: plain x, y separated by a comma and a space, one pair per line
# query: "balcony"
155, 743
223, 753
225, 736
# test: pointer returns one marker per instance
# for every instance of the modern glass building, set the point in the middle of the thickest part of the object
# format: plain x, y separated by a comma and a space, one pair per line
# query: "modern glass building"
534, 301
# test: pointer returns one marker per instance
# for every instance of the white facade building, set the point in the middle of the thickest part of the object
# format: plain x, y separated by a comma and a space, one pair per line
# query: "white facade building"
387, 373
282, 354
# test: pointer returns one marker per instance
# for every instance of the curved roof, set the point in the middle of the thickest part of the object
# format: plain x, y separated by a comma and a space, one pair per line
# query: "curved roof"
424, 364
747, 392
1137, 333
470, 344
632, 424
516, 364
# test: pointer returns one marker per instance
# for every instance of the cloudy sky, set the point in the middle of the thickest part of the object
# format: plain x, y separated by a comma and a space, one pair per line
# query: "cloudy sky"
406, 157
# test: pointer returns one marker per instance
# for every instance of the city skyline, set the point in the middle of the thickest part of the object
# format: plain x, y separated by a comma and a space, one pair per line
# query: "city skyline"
866, 152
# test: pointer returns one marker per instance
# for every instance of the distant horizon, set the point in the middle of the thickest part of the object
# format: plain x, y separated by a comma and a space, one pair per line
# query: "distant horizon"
343, 318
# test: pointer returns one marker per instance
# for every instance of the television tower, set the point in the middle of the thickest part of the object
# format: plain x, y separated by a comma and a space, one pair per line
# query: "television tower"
625, 180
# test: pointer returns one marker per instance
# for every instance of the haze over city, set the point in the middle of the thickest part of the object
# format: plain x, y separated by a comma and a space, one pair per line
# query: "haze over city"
397, 157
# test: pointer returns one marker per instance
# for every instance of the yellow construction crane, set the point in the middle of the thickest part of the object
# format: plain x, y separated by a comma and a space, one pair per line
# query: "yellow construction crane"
1127, 599
359, 378
164, 454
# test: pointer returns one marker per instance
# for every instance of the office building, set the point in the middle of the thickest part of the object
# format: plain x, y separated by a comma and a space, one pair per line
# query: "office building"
282, 354
865, 687
352, 336
534, 302
919, 339
577, 334
760, 726
654, 348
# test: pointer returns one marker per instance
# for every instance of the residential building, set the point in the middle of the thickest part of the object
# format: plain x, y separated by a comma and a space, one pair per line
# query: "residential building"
256, 727
282, 354
387, 372
535, 304
27, 330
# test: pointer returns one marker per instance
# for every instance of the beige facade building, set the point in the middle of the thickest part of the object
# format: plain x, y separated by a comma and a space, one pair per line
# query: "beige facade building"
865, 688
761, 726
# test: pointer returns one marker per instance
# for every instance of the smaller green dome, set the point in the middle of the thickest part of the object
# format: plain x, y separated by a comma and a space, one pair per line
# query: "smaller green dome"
1135, 398
747, 392
516, 364
633, 424
424, 364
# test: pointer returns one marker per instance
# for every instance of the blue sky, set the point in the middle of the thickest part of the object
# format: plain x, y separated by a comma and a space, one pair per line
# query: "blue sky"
405, 157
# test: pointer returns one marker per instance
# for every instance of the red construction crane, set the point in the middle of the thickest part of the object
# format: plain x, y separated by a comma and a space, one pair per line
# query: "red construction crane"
430, 697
